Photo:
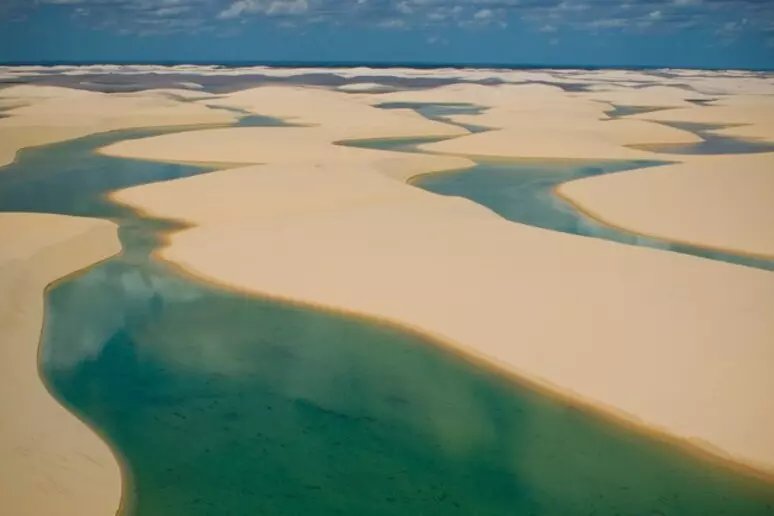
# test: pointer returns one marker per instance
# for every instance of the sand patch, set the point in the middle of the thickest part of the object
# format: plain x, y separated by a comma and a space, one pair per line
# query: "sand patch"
52, 463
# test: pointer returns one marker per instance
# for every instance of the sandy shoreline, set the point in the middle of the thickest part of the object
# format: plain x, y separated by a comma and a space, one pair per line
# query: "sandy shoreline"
48, 114
52, 462
717, 202
695, 203
352, 273
332, 242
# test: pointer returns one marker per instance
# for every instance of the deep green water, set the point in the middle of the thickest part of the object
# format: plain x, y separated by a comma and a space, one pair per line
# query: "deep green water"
223, 404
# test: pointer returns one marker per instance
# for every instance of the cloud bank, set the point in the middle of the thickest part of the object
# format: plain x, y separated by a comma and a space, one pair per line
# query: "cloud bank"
727, 17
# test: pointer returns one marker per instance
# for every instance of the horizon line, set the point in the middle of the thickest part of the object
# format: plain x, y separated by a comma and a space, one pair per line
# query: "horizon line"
374, 64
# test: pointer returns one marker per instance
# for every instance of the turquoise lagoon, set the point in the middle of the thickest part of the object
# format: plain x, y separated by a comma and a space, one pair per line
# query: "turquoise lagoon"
523, 190
711, 142
219, 403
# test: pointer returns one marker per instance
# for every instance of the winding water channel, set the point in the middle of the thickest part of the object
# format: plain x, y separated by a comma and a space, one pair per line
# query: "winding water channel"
524, 190
219, 403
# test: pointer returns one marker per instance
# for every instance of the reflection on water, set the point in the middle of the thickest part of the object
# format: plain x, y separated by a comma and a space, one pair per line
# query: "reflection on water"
223, 404
220, 403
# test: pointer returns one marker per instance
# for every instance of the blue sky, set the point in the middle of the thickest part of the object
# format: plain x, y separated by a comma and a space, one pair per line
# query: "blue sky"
701, 33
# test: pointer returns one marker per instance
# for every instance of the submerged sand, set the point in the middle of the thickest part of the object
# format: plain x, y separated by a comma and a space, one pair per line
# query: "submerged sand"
52, 464
676, 343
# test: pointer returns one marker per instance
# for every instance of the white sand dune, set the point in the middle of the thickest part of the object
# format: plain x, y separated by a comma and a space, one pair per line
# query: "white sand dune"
48, 114
722, 202
342, 116
701, 81
673, 342
365, 86
52, 464
592, 318
651, 96
561, 139
541, 121
245, 145
753, 114
713, 201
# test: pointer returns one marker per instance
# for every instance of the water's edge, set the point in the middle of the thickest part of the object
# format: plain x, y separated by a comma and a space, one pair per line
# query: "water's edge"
142, 239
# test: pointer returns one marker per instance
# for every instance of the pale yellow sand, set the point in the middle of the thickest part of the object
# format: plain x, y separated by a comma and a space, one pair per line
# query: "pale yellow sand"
48, 114
674, 342
560, 138
246, 145
651, 96
596, 319
724, 202
52, 464
540, 121
753, 113
522, 96
342, 115
363, 86
717, 84
719, 202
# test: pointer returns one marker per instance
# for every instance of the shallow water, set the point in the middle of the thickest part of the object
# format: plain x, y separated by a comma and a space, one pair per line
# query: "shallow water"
220, 403
523, 191
441, 112
712, 143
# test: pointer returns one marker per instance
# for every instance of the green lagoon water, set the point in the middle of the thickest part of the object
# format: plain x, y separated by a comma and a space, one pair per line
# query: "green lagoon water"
711, 143
225, 404
522, 190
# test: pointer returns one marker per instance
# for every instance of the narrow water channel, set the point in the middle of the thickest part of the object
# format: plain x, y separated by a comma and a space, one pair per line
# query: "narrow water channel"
524, 190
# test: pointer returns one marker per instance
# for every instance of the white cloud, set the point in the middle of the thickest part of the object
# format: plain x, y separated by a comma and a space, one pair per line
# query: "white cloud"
404, 7
543, 15
483, 14
266, 7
